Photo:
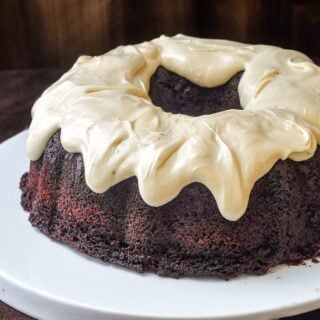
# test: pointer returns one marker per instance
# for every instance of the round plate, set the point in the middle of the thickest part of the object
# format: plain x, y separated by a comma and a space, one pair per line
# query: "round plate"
48, 280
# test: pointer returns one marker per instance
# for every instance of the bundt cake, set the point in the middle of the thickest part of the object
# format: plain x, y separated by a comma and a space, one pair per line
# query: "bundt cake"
180, 156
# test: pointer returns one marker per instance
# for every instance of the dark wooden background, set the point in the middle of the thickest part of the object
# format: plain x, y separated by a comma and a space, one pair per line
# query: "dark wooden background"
44, 37
52, 33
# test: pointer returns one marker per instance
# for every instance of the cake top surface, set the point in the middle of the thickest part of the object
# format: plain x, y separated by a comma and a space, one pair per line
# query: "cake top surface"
104, 112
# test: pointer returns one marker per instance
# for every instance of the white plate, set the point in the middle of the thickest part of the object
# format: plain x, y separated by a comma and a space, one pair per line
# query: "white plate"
50, 281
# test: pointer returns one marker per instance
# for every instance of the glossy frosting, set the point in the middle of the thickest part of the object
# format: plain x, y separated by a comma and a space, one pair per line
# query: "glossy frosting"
104, 112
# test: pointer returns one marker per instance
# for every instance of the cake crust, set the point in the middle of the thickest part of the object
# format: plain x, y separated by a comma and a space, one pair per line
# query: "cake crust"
187, 236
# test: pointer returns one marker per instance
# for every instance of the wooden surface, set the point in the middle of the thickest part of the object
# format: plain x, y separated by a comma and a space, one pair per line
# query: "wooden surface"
18, 90
41, 33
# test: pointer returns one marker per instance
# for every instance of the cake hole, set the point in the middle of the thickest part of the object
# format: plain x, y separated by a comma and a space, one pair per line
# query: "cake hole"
178, 95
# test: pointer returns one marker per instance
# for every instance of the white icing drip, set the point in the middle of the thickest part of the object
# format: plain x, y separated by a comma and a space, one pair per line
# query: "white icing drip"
104, 112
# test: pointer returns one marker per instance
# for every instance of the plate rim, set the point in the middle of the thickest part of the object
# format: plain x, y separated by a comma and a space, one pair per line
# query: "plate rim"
25, 289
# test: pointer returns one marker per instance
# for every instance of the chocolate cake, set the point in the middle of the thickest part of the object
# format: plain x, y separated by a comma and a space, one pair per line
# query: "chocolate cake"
188, 235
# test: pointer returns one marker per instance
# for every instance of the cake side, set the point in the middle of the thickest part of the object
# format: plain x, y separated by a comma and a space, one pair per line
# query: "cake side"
186, 237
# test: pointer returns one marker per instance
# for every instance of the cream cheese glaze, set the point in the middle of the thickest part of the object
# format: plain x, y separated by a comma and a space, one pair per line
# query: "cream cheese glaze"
104, 112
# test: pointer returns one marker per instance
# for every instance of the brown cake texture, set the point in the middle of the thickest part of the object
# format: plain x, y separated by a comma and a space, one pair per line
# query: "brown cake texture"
187, 236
